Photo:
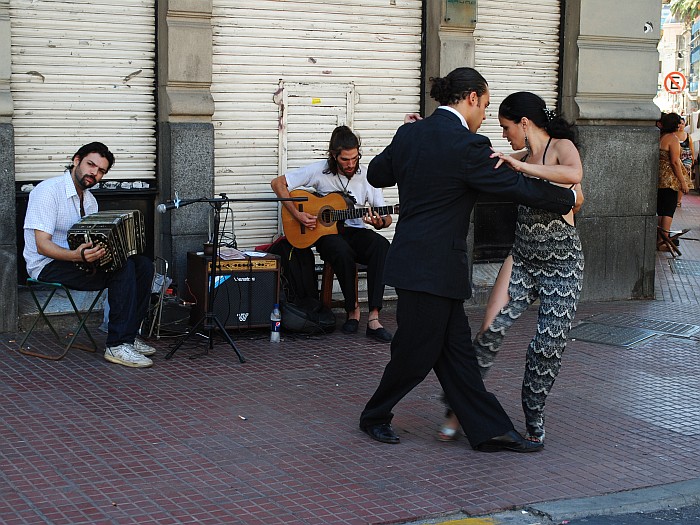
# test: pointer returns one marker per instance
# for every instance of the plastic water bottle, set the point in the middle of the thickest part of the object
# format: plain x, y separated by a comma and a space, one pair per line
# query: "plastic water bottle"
275, 324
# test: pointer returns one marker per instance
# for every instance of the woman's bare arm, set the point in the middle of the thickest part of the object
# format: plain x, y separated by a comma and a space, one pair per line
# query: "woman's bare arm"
567, 170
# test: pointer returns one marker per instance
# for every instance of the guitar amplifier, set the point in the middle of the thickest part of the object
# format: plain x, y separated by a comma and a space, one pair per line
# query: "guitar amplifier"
245, 289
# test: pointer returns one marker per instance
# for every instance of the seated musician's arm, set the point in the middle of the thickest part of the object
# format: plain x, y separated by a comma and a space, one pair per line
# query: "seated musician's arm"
46, 247
279, 186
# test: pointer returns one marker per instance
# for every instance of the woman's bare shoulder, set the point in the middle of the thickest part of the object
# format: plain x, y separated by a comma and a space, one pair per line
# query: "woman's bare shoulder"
667, 139
565, 151
560, 144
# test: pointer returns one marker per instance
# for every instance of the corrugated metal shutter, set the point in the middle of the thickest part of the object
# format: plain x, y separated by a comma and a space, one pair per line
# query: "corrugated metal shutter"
324, 106
517, 49
83, 70
318, 48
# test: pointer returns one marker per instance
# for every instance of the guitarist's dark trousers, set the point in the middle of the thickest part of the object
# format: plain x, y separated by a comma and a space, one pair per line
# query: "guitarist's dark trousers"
356, 245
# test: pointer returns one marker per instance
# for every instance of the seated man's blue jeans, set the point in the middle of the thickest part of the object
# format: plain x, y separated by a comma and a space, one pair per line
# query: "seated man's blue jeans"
129, 292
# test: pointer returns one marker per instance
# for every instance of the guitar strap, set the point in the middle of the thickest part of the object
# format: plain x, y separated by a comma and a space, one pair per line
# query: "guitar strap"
350, 202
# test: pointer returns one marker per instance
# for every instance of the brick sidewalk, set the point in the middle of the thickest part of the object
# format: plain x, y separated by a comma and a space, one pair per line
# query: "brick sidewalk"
275, 440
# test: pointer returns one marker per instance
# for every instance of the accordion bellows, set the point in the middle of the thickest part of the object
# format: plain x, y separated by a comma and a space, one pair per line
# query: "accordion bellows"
121, 232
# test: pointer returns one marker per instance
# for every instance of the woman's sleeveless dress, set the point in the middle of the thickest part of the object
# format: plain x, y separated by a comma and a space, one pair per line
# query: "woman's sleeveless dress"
547, 265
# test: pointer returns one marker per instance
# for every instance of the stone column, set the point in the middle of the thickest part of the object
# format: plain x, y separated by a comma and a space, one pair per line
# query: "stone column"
610, 70
447, 47
8, 244
185, 130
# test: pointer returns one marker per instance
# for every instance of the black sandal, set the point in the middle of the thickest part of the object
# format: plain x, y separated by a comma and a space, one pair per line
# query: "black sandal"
380, 334
350, 326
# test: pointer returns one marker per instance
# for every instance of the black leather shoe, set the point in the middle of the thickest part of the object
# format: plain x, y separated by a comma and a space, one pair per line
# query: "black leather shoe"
509, 441
350, 326
380, 334
383, 433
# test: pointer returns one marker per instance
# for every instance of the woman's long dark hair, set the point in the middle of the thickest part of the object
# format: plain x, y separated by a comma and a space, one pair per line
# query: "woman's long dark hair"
525, 104
670, 122
457, 85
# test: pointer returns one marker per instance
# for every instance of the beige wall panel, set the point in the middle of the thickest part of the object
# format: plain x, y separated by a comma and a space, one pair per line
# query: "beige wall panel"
620, 20
189, 43
610, 71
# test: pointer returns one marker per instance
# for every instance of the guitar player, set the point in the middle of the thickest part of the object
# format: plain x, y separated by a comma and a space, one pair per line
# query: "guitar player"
354, 243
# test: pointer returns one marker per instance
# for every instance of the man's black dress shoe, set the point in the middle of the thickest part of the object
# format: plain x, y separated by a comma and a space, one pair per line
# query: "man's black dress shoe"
380, 334
350, 326
383, 433
509, 441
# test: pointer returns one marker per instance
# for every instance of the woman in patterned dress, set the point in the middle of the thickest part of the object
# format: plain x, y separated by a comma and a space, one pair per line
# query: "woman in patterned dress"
687, 156
546, 261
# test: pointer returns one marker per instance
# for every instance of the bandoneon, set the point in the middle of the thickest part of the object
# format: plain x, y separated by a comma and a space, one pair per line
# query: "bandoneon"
121, 233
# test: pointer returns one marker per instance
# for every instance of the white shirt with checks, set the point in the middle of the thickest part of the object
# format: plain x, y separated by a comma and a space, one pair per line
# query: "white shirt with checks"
54, 206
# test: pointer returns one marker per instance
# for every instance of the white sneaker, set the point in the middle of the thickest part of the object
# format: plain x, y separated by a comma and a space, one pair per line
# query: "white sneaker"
142, 348
124, 354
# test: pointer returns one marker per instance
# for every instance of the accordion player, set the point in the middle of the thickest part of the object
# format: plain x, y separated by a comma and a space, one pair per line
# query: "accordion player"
121, 233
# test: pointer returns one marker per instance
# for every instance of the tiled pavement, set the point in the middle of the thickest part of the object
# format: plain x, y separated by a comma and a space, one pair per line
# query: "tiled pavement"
275, 440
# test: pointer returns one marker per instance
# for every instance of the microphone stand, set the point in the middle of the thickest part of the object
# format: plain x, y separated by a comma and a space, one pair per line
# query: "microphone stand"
210, 321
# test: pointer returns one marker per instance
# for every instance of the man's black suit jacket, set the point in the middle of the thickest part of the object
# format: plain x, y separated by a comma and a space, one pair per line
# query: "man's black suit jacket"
440, 168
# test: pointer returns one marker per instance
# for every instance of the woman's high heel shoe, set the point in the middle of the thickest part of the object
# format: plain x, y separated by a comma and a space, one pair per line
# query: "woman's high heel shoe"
447, 434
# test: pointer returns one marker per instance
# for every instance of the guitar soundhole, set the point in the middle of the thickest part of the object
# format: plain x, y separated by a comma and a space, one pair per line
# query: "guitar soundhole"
324, 216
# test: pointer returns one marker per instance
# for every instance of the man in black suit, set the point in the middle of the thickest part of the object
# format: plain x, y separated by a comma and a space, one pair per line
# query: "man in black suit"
440, 167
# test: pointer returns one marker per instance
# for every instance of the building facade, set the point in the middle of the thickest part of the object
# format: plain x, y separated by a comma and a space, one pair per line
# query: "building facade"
676, 55
694, 78
203, 98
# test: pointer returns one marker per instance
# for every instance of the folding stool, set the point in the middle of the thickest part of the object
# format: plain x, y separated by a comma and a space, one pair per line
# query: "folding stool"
668, 240
32, 284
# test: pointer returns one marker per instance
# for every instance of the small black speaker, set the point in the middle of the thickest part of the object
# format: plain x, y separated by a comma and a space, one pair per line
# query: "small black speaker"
245, 290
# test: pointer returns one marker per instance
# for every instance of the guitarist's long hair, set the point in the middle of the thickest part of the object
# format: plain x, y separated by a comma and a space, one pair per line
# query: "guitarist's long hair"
341, 138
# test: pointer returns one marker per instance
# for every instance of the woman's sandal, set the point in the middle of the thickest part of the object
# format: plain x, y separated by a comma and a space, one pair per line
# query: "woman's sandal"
447, 434
535, 439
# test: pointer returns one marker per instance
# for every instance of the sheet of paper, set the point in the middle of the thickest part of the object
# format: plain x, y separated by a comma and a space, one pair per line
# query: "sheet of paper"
230, 254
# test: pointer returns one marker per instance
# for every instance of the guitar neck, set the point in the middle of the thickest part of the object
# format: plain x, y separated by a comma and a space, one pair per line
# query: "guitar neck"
356, 213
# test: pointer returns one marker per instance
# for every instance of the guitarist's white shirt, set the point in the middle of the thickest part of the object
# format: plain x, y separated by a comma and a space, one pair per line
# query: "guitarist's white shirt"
312, 176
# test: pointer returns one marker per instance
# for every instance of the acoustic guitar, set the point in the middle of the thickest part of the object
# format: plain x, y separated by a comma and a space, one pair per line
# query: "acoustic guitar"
328, 210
